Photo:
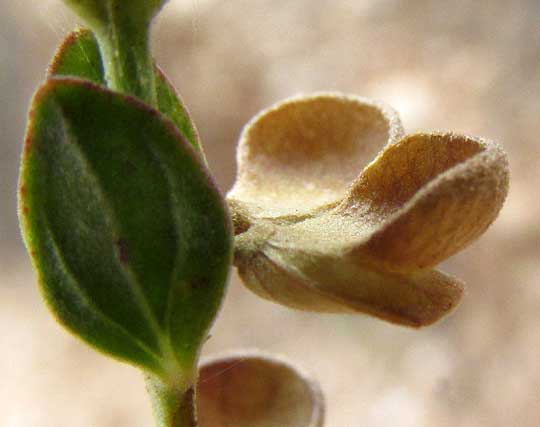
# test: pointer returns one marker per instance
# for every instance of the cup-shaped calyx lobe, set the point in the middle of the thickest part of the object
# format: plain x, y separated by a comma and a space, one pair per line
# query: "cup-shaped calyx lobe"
131, 238
253, 389
326, 222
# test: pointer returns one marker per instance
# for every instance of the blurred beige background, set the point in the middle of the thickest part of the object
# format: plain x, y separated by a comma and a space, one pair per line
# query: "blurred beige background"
468, 66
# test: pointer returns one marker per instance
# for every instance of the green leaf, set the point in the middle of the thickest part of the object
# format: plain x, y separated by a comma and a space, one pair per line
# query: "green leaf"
130, 236
78, 56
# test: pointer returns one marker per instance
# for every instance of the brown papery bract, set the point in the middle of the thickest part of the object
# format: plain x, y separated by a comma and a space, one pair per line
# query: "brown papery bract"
253, 389
321, 226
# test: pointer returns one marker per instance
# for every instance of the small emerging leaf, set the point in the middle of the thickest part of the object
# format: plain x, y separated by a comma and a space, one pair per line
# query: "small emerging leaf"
130, 237
79, 56
256, 390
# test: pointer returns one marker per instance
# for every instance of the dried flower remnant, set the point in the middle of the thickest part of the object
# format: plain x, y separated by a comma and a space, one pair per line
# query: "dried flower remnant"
313, 234
253, 389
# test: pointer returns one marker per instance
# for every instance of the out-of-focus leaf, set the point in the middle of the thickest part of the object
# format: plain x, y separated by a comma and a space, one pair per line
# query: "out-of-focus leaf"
102, 12
257, 390
79, 56
130, 237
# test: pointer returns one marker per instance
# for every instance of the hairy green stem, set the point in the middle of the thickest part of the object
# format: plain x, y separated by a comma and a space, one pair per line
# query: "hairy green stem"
173, 406
125, 48
123, 32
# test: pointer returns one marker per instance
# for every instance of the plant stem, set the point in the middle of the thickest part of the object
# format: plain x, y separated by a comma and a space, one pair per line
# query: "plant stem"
125, 47
173, 406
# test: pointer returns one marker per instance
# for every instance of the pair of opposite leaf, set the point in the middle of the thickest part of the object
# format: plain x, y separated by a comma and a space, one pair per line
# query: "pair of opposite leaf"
129, 234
